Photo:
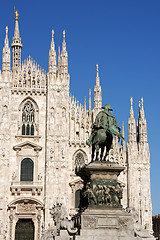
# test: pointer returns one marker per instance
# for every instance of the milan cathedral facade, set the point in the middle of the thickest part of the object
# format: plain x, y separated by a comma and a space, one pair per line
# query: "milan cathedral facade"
43, 133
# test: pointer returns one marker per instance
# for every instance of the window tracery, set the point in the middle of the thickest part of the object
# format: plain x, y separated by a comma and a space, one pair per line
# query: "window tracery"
79, 162
28, 119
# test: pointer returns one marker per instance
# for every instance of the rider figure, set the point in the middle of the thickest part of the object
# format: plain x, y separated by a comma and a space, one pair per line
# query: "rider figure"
104, 120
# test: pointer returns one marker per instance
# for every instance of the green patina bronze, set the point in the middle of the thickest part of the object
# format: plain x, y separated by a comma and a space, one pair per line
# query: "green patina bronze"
107, 194
103, 129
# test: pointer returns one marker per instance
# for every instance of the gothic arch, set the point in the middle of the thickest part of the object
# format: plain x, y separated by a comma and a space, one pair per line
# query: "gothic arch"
79, 160
32, 100
28, 115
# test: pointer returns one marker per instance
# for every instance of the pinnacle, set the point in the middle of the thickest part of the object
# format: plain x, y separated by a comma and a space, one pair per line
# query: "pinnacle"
6, 38
131, 109
52, 42
97, 77
64, 42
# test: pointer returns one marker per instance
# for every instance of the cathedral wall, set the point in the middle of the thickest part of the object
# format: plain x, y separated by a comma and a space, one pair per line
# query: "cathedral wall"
21, 146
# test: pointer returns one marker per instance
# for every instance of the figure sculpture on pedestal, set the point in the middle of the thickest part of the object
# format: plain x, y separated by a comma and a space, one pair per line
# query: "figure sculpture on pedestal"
104, 127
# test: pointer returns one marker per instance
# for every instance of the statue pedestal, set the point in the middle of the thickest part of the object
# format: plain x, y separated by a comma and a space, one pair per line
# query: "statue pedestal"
104, 218
101, 186
106, 224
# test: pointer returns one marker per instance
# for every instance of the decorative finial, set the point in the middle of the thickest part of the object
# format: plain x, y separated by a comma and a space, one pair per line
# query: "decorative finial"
97, 77
59, 51
16, 15
52, 35
64, 34
97, 70
97, 67
131, 99
6, 31
131, 109
6, 38
139, 104
142, 102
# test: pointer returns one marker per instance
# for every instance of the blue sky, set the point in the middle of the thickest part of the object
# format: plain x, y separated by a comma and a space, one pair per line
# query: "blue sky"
122, 36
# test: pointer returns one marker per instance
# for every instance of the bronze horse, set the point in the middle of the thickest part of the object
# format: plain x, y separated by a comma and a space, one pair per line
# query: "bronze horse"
103, 139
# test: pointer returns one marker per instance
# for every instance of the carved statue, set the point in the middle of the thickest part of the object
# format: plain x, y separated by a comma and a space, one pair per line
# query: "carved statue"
49, 234
61, 221
16, 15
103, 129
139, 230
90, 194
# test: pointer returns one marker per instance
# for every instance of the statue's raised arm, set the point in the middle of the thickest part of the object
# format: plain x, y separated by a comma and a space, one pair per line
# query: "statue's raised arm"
103, 129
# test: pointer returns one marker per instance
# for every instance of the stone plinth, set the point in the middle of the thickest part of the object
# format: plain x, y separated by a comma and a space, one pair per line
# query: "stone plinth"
104, 218
106, 224
101, 186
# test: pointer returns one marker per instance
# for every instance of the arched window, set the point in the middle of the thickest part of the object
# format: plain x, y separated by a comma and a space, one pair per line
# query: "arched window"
27, 167
79, 162
28, 119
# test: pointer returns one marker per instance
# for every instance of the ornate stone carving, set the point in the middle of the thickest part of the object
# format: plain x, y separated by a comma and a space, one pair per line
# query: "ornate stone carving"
104, 194
14, 176
139, 230
79, 161
90, 222
26, 207
59, 215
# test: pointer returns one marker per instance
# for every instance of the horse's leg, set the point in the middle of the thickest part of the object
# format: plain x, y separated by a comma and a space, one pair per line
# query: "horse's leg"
106, 154
93, 150
110, 142
97, 151
109, 139
102, 151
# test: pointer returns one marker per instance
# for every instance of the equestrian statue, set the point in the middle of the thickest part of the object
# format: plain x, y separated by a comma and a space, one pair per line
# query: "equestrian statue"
103, 129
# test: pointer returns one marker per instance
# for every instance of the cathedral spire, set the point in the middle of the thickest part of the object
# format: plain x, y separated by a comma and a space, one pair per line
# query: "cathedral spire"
52, 57
131, 125
64, 41
123, 141
6, 42
97, 94
16, 45
6, 54
52, 42
64, 56
141, 124
131, 109
97, 77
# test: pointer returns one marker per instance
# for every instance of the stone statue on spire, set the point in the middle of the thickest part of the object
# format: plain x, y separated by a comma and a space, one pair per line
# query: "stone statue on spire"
16, 15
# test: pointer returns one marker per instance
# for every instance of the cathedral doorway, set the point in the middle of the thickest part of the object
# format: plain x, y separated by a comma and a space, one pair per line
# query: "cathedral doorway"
25, 219
24, 229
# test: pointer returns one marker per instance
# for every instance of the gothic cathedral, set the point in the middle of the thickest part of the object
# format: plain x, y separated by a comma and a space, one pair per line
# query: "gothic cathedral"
43, 133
